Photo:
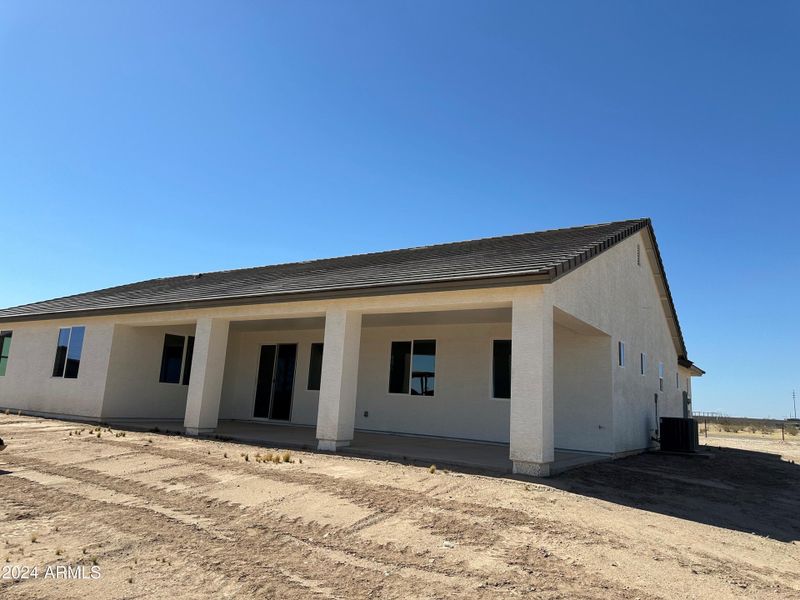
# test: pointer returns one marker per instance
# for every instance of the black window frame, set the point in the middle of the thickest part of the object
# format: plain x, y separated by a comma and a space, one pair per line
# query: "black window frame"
6, 334
68, 357
506, 369
314, 382
181, 359
401, 376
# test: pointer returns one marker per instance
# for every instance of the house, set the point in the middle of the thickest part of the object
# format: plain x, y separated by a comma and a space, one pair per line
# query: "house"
541, 342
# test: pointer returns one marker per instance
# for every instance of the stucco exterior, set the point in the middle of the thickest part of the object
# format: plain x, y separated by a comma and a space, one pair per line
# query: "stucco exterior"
568, 389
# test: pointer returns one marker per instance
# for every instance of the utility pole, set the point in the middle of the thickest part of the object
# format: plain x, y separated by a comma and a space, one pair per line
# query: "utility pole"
794, 402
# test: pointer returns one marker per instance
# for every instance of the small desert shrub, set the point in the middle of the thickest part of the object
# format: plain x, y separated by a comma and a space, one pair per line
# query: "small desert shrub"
287, 457
246, 458
7, 411
792, 431
98, 434
225, 455
432, 469
59, 552
34, 538
300, 460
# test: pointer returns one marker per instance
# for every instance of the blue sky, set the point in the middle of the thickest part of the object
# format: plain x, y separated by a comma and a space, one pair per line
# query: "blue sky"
141, 139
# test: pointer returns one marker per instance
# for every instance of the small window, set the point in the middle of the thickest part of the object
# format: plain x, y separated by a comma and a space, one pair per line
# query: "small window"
501, 369
621, 349
5, 347
412, 368
172, 359
661, 376
643, 363
315, 367
176, 359
678, 380
68, 352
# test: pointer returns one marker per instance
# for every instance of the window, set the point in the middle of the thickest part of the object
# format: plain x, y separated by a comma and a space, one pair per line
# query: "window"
621, 348
174, 362
661, 376
5, 346
642, 363
315, 367
501, 369
68, 352
187, 363
412, 368
678, 380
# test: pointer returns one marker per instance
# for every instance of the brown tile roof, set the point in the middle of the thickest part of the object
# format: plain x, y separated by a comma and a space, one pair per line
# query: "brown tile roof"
539, 257
543, 256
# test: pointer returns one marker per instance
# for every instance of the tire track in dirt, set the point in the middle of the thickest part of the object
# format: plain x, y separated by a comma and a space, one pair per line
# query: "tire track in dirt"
371, 557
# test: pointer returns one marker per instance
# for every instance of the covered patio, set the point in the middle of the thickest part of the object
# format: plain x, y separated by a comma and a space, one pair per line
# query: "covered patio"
443, 452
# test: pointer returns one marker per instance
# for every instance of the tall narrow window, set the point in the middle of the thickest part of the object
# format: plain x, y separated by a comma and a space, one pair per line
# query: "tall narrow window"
412, 368
315, 367
61, 352
423, 368
677, 381
68, 352
501, 369
621, 350
171, 359
661, 376
5, 347
400, 367
642, 363
187, 362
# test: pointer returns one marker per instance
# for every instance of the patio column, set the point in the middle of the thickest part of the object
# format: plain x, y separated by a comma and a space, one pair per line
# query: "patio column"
337, 394
531, 434
205, 383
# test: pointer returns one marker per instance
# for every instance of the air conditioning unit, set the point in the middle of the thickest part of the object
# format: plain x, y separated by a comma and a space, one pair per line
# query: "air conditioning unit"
678, 435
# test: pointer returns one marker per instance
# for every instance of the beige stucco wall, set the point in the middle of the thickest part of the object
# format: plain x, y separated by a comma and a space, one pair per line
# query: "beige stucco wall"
133, 390
611, 293
462, 406
614, 294
241, 371
582, 396
28, 383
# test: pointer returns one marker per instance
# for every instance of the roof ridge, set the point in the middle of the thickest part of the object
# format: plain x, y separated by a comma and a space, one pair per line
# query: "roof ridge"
379, 252
622, 229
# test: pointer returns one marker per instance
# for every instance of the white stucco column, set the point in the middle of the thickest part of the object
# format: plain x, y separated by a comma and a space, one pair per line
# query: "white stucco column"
205, 383
339, 384
531, 432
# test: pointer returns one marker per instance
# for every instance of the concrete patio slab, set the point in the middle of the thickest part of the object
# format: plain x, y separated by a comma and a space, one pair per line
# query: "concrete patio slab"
483, 456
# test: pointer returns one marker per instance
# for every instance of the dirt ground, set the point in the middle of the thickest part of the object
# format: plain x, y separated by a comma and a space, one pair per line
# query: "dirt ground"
169, 516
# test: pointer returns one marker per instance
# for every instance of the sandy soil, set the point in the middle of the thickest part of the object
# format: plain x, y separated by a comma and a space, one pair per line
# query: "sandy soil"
167, 516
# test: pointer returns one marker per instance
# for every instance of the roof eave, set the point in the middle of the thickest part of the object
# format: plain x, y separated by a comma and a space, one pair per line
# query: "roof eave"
331, 294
